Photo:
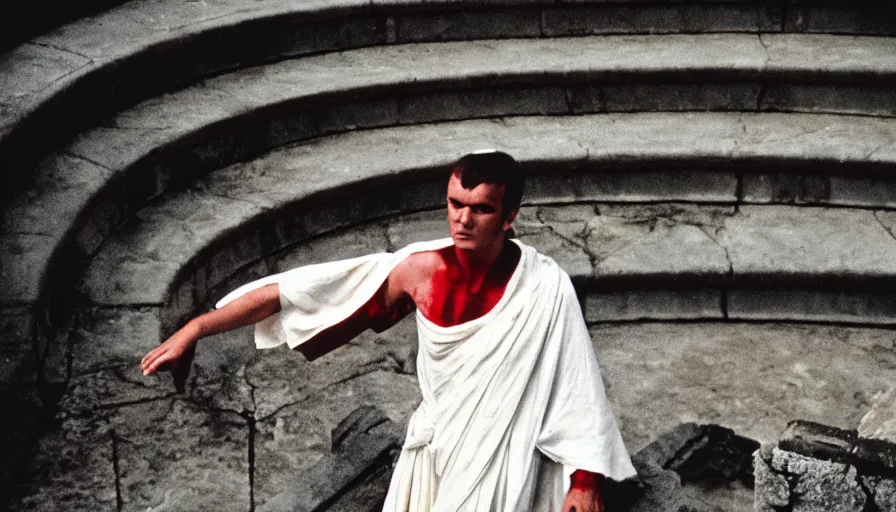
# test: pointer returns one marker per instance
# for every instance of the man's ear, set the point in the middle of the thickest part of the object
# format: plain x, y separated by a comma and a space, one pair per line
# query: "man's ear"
508, 220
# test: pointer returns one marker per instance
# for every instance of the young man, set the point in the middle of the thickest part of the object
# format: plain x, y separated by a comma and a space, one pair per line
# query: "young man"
512, 402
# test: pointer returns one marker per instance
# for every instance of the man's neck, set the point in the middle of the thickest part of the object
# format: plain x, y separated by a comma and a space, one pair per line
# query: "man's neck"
474, 265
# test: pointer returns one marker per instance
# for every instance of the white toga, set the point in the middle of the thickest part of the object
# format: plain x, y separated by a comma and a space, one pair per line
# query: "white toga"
513, 401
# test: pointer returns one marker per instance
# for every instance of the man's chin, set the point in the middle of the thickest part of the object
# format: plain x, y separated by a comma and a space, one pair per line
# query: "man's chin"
465, 244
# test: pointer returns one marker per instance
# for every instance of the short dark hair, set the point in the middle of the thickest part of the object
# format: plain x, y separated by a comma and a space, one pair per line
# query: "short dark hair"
497, 168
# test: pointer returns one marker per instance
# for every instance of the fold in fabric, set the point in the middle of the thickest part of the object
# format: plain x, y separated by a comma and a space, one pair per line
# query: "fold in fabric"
513, 401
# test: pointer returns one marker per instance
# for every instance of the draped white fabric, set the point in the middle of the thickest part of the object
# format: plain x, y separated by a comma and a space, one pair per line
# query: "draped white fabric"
513, 401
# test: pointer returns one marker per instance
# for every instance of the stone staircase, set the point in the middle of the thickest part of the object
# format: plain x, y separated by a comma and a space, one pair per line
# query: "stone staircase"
689, 161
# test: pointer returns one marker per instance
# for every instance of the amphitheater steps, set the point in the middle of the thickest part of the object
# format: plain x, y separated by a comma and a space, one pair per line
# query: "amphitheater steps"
84, 191
61, 82
119, 424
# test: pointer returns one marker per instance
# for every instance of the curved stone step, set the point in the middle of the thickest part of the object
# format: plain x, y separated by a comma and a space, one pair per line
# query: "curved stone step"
63, 81
293, 194
109, 172
753, 378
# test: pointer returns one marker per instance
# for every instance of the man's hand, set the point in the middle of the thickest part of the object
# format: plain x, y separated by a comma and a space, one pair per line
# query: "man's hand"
175, 355
583, 500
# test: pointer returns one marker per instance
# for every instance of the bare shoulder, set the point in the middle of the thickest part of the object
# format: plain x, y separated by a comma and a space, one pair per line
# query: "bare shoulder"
417, 268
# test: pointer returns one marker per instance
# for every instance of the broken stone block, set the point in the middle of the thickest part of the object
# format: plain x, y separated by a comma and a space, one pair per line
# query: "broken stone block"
880, 421
361, 462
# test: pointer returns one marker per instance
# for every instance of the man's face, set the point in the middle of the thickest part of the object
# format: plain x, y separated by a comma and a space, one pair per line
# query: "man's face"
475, 219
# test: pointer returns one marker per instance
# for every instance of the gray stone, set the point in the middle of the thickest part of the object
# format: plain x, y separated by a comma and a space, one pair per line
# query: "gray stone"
104, 338
610, 18
626, 306
800, 245
870, 308
63, 185
176, 455
570, 255
880, 421
798, 189
74, 466
882, 491
662, 490
24, 265
417, 227
331, 475
772, 490
484, 24
663, 374
18, 366
478, 104
683, 254
26, 72
866, 99
820, 485
652, 186
293, 440
863, 18
356, 241
169, 232
15, 328
673, 97
794, 53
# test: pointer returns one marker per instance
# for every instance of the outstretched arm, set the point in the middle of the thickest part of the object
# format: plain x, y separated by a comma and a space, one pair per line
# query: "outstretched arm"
176, 353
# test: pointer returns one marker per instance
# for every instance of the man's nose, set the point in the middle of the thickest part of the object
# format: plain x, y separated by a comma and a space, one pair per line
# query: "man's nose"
464, 216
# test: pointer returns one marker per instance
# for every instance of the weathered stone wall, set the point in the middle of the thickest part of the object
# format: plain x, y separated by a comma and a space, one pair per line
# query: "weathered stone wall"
815, 468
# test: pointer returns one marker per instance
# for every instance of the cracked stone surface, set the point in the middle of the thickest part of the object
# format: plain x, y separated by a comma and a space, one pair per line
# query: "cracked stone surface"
270, 182
664, 374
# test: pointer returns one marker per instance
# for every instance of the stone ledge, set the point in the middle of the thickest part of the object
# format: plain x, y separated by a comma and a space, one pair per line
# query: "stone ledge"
143, 48
872, 457
158, 47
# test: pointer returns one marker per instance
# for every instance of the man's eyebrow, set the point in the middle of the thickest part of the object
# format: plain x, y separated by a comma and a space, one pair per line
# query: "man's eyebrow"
461, 203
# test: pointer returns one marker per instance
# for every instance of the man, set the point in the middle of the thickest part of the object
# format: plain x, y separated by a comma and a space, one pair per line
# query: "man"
512, 396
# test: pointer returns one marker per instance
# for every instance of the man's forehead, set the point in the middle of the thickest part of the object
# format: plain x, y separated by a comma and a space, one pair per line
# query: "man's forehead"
483, 192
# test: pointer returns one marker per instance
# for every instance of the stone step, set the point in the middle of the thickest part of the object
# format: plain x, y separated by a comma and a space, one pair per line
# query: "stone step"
82, 192
748, 377
667, 261
302, 191
249, 111
58, 84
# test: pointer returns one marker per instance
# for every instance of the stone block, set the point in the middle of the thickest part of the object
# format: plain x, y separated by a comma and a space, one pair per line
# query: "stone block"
670, 255
867, 99
653, 305
869, 18
292, 440
571, 256
352, 116
74, 466
882, 491
473, 104
622, 18
19, 366
167, 450
520, 21
880, 421
639, 97
812, 306
820, 485
25, 257
16, 328
787, 189
108, 337
657, 186
351, 243
772, 489
811, 247
416, 227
